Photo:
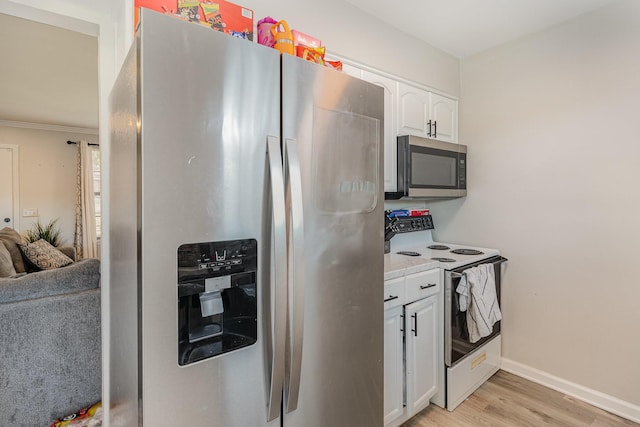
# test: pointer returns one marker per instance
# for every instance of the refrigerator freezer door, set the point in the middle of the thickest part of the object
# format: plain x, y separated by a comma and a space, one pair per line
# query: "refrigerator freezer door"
336, 122
207, 105
123, 210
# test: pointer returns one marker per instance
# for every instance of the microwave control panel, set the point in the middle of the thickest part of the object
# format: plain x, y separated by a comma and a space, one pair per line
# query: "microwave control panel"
462, 171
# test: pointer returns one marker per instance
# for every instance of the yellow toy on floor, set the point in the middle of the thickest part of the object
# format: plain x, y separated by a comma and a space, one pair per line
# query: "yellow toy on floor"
86, 417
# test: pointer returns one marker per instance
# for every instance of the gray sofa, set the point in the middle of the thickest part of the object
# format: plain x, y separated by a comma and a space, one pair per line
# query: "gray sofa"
50, 345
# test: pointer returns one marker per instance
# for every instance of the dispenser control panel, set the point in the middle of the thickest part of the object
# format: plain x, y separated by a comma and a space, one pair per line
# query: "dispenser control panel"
197, 261
217, 298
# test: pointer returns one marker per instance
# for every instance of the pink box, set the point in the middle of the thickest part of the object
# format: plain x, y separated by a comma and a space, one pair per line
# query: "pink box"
303, 39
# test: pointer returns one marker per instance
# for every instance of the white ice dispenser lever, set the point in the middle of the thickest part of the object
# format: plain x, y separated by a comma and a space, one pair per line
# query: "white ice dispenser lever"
211, 298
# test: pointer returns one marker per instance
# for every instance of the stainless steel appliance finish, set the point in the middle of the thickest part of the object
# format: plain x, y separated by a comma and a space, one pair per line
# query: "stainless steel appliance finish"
430, 169
199, 155
331, 121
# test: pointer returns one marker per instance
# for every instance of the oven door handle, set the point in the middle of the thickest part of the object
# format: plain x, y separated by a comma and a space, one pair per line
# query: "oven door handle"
496, 262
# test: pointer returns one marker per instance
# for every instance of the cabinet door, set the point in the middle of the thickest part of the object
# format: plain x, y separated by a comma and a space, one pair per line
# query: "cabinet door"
393, 372
443, 113
352, 70
422, 356
413, 110
390, 150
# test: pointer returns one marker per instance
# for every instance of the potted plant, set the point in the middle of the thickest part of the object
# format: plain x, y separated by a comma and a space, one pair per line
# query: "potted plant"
49, 232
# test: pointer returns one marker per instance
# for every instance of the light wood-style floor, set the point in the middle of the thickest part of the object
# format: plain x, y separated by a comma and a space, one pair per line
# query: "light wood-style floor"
507, 400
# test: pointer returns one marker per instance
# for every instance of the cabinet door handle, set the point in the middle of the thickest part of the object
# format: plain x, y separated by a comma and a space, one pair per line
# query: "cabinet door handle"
402, 323
430, 285
429, 124
391, 298
435, 129
415, 324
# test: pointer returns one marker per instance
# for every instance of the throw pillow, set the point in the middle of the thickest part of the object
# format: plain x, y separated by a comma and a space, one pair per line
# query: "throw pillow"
44, 256
6, 263
11, 239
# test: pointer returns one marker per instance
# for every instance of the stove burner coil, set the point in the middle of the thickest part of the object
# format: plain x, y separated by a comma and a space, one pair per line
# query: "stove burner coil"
438, 247
408, 253
443, 259
467, 252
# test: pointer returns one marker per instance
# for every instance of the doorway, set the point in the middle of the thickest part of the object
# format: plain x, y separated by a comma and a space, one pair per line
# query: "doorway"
9, 201
49, 94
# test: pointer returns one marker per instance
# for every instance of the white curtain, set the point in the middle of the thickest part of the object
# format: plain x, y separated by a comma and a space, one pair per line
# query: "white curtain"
86, 241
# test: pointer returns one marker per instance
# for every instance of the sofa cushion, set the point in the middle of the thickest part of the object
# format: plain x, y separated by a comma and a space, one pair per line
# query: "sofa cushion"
50, 356
11, 239
44, 255
79, 276
69, 251
6, 263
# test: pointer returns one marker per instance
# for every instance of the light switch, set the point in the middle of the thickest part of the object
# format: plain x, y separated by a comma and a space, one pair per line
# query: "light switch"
30, 212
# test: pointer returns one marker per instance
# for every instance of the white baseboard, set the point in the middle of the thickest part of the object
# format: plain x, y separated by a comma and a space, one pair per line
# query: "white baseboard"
600, 400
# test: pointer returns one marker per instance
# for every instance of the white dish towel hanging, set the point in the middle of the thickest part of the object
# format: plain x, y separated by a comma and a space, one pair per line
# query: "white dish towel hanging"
477, 289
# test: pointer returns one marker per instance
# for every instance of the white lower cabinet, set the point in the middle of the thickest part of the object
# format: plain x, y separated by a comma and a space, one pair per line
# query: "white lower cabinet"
422, 353
413, 345
393, 365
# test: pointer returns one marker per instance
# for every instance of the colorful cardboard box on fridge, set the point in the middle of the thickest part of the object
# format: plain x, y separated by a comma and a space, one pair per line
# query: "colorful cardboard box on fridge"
302, 39
219, 15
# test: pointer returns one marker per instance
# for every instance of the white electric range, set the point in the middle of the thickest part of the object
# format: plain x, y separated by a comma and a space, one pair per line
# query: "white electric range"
449, 256
466, 365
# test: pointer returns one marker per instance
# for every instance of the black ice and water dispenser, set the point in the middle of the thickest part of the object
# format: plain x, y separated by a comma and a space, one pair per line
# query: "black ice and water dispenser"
217, 304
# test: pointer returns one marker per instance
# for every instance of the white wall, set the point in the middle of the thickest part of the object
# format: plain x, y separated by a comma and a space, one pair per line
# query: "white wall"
552, 126
47, 176
353, 34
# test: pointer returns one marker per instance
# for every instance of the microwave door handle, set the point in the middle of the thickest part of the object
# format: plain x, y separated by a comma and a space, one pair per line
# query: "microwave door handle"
278, 286
293, 181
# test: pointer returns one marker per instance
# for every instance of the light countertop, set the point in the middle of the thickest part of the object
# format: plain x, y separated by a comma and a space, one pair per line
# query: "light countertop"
400, 265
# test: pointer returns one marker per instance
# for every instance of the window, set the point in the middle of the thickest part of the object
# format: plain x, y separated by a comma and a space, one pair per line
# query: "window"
95, 157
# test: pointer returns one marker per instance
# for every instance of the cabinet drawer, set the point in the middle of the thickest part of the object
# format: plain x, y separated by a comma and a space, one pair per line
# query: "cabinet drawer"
422, 285
394, 292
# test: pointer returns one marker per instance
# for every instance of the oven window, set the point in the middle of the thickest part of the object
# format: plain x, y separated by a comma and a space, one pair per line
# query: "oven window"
433, 168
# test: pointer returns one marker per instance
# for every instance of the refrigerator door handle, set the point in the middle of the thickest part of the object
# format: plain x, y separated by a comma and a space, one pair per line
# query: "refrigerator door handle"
279, 285
293, 181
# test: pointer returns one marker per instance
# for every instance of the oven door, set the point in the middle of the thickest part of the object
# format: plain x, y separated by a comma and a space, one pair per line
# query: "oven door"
456, 335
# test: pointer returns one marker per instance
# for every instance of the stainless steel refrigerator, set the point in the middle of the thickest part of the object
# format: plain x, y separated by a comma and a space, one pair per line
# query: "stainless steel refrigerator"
246, 236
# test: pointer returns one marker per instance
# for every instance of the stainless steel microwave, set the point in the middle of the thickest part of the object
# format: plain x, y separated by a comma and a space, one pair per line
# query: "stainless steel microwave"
430, 169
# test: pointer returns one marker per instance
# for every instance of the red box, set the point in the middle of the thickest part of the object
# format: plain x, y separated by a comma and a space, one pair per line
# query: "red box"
302, 39
219, 15
418, 212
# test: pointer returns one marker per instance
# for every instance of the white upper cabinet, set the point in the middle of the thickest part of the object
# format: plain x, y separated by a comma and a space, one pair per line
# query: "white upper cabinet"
426, 114
408, 110
413, 110
390, 152
444, 117
352, 71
